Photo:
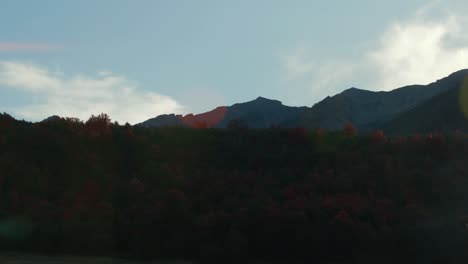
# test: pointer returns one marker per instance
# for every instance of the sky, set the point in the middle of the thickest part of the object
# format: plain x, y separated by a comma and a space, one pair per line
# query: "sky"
137, 59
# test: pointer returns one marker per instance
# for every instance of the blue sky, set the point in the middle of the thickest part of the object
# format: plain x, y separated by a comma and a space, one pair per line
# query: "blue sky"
137, 59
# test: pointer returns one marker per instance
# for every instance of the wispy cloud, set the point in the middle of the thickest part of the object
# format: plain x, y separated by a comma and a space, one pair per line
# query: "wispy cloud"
417, 50
296, 65
27, 47
82, 95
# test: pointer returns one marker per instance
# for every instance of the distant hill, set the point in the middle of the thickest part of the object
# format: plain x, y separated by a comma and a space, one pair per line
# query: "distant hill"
258, 113
441, 113
435, 107
261, 113
208, 119
372, 110
51, 118
367, 110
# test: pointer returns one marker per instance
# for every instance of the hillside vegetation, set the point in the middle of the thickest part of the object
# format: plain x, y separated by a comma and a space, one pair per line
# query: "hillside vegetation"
99, 188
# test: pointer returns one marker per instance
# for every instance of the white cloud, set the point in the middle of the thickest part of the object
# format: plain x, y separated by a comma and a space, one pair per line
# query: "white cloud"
81, 96
418, 50
319, 78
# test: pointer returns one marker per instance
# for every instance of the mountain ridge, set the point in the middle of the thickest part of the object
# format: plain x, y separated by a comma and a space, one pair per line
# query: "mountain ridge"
368, 110
435, 107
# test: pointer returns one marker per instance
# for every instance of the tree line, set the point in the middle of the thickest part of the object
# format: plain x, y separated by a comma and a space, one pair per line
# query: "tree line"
96, 187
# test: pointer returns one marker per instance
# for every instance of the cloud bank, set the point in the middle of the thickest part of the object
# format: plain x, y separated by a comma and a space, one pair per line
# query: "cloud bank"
81, 95
413, 51
417, 51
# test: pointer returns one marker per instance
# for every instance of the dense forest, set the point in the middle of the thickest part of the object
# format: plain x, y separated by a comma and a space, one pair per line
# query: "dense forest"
99, 188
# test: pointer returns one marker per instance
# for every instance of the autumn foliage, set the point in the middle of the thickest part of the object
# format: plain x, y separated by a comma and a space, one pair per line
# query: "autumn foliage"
98, 188
349, 129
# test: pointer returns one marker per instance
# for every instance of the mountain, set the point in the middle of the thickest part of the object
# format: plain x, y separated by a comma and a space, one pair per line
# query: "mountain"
371, 110
208, 119
442, 113
261, 113
258, 113
51, 119
163, 121
402, 108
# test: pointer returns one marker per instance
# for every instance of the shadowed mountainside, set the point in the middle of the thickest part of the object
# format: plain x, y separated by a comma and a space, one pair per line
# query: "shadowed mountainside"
367, 110
258, 113
442, 113
372, 110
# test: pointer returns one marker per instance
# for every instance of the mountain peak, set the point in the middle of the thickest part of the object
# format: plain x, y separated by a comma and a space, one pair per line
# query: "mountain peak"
354, 90
52, 118
367, 109
261, 99
458, 75
460, 72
